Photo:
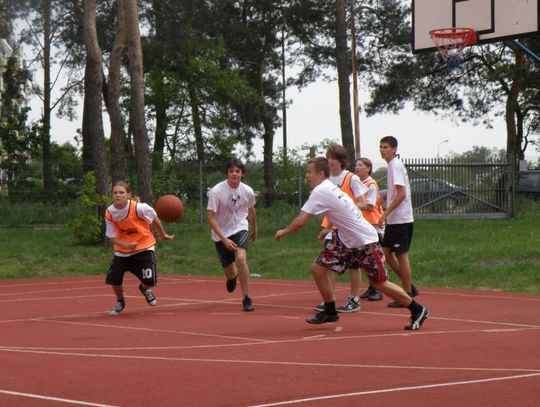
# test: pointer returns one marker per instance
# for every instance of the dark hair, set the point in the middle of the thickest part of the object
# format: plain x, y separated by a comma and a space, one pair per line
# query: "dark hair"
390, 140
320, 164
339, 153
123, 184
367, 162
234, 162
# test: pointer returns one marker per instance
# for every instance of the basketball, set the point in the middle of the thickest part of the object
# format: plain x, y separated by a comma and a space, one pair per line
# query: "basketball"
169, 208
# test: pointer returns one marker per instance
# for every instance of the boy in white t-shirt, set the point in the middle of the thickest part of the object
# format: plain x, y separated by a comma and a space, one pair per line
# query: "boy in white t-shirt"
231, 214
356, 246
398, 217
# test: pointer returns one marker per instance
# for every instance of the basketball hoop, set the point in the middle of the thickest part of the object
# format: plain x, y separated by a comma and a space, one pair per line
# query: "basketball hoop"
451, 43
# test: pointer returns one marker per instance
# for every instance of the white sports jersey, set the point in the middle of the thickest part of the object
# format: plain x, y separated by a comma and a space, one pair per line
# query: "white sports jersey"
353, 230
397, 175
231, 207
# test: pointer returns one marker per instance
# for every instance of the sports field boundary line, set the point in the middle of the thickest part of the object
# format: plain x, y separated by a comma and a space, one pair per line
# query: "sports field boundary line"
50, 398
533, 372
396, 389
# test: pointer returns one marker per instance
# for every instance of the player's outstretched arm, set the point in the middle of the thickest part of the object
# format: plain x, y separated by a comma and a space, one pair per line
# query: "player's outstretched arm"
161, 231
298, 223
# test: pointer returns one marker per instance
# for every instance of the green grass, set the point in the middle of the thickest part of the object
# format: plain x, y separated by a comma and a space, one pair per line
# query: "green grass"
499, 254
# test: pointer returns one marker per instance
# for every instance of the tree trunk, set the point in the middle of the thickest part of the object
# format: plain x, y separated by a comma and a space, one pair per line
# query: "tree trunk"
161, 103
137, 113
112, 99
92, 113
343, 71
268, 137
46, 119
513, 142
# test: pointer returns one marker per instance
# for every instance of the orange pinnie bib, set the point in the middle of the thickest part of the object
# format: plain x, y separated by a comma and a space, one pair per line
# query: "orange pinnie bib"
132, 229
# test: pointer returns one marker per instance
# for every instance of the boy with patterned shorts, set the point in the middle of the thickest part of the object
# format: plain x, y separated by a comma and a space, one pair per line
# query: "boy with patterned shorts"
354, 244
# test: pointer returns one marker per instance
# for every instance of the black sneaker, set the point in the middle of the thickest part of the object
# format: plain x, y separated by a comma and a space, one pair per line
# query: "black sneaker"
365, 295
414, 291
247, 302
374, 295
418, 319
231, 284
117, 308
351, 306
319, 307
321, 318
148, 295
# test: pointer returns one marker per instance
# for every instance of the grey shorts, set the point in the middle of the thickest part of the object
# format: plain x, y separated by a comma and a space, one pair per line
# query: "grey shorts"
227, 257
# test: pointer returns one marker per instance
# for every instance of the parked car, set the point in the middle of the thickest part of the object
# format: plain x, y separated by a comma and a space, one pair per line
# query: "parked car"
436, 192
527, 183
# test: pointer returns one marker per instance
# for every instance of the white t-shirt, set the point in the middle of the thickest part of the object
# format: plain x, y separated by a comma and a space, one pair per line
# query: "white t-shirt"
357, 186
353, 230
397, 175
231, 207
144, 211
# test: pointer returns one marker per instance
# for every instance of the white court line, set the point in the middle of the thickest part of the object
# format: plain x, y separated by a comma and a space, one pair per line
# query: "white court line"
396, 389
534, 372
41, 397
256, 342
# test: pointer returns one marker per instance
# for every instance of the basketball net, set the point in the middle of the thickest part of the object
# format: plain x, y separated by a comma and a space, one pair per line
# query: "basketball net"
451, 42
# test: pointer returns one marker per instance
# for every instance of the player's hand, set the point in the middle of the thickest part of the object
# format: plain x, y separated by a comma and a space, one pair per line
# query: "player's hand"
252, 235
279, 234
167, 237
230, 245
131, 246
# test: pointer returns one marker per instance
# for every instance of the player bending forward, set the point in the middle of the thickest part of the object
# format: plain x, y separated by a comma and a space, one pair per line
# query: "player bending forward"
354, 245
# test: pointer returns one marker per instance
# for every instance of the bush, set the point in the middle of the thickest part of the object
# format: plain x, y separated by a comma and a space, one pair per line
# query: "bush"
88, 224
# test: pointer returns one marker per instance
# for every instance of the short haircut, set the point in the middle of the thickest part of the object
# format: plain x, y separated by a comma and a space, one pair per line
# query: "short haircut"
390, 140
234, 162
338, 152
367, 162
123, 184
320, 164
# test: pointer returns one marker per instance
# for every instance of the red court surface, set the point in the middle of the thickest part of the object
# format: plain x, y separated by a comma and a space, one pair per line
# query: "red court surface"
198, 348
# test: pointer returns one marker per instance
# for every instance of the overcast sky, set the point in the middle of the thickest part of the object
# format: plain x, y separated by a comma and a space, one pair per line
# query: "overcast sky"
313, 116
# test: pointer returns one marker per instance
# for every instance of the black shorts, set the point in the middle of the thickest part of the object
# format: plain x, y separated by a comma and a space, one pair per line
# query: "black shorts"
142, 265
227, 257
398, 237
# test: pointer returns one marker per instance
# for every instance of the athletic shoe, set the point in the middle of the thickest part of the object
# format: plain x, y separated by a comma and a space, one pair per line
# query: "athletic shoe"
417, 320
351, 306
319, 307
149, 295
365, 294
321, 318
248, 304
117, 308
414, 291
375, 295
231, 284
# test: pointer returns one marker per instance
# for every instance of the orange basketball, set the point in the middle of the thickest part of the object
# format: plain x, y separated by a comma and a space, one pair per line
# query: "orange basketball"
169, 208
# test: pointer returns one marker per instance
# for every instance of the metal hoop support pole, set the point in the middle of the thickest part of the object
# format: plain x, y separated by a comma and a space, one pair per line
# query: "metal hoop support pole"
527, 51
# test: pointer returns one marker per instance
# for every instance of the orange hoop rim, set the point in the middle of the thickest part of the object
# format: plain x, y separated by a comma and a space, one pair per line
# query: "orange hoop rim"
465, 36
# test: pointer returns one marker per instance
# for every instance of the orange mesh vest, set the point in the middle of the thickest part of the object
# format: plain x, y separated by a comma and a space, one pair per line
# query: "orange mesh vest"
375, 215
345, 187
132, 229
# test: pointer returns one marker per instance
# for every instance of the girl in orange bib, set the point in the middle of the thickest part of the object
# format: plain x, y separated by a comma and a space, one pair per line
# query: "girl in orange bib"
127, 224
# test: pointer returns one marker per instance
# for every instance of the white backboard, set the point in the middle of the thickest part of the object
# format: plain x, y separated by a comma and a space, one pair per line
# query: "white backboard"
494, 20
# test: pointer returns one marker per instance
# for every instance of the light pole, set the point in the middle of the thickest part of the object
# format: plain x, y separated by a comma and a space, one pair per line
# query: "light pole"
439, 147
